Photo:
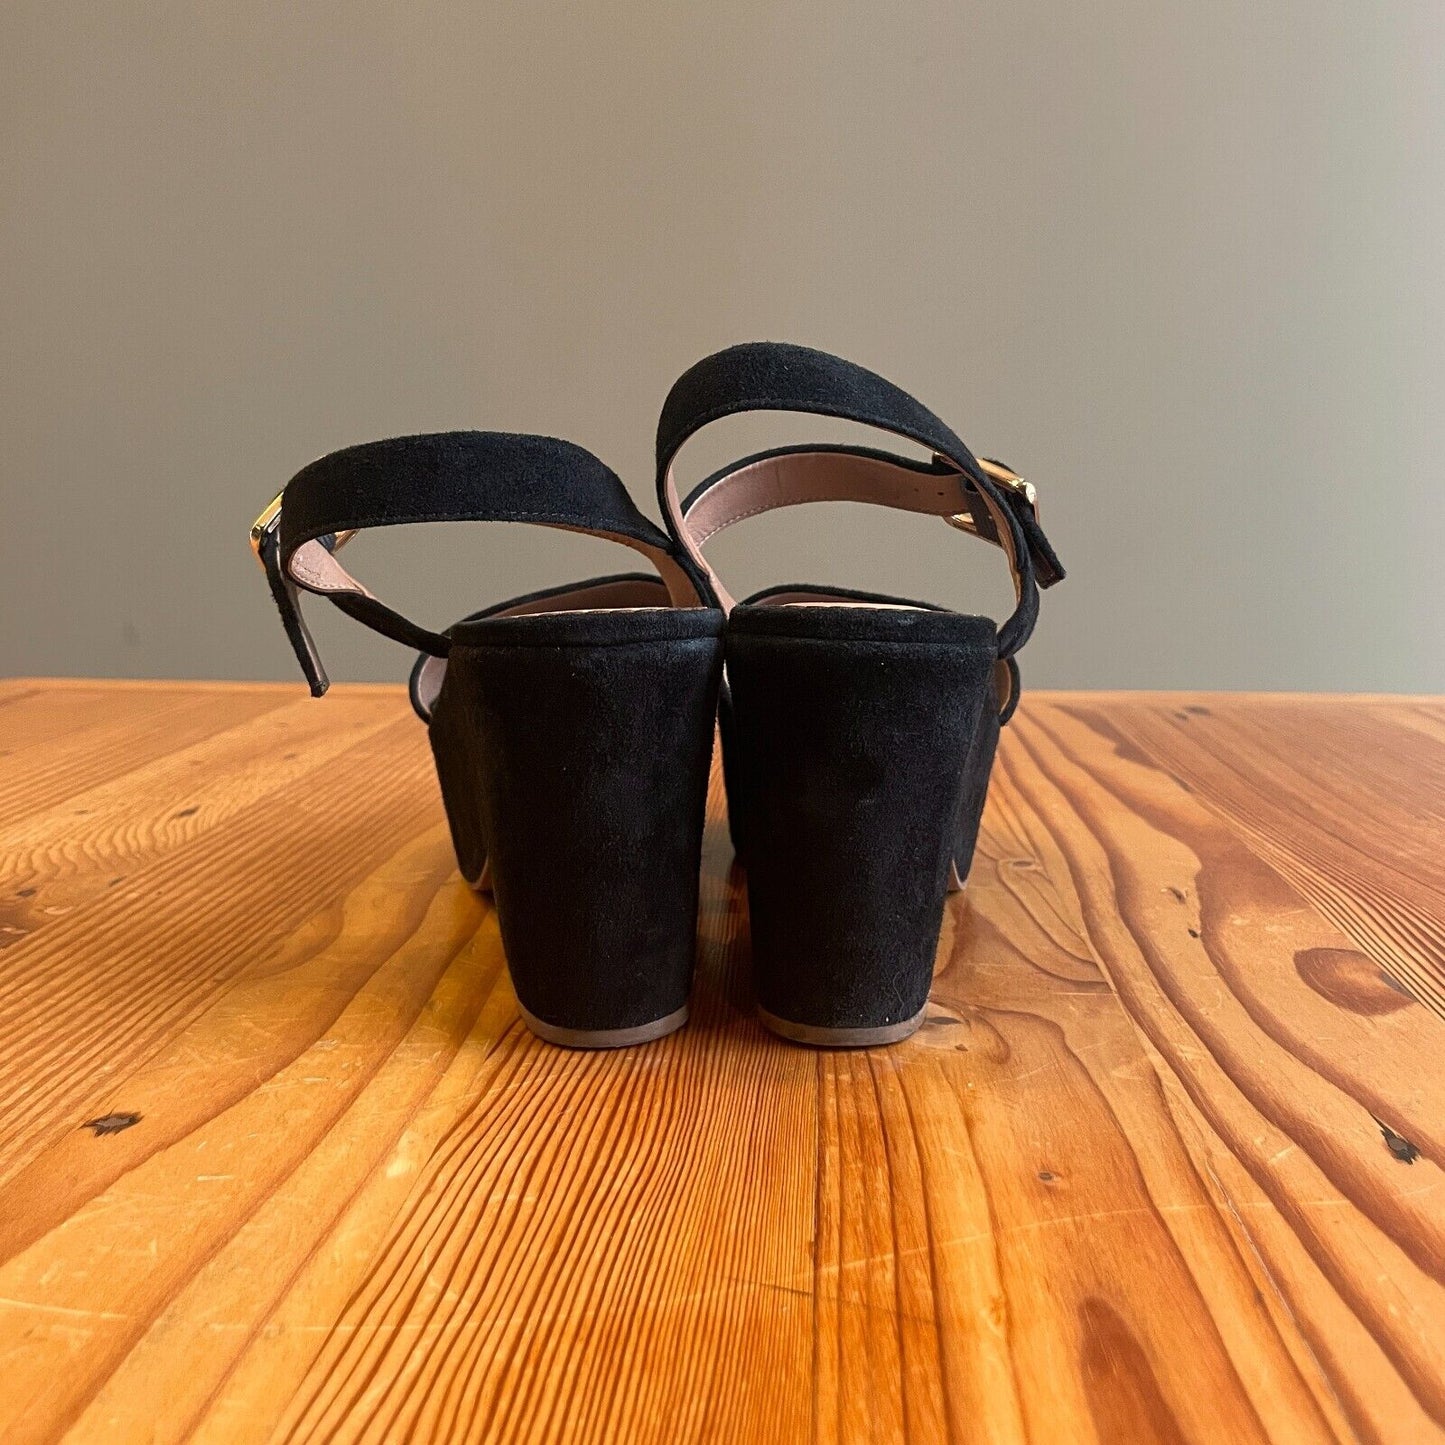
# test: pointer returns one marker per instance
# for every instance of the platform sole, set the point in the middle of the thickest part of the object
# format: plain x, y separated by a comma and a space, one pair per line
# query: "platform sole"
605, 1038
818, 1037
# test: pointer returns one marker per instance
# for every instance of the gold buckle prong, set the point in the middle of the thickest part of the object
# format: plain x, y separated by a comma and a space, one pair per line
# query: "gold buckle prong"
270, 520
266, 523
1010, 481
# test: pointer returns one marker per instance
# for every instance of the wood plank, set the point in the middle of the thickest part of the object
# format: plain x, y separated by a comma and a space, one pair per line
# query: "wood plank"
50, 864
1201, 940
1349, 807
41, 711
61, 747
1128, 1183
157, 950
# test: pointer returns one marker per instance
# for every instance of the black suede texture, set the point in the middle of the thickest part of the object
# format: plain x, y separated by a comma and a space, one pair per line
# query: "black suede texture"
298, 634
849, 729
455, 749
459, 476
447, 477
977, 766
573, 751
526, 601
726, 729
858, 741
977, 770
779, 376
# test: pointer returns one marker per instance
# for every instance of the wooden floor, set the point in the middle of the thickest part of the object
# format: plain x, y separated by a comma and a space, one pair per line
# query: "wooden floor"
277, 1160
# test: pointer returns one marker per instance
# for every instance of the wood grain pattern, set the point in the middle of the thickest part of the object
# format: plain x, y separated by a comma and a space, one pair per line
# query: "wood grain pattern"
1163, 1165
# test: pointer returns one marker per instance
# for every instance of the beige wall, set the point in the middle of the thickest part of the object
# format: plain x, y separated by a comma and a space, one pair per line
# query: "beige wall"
1182, 264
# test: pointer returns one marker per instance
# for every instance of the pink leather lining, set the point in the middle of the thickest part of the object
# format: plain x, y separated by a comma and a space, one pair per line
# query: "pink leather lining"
628, 595
317, 570
822, 476
788, 481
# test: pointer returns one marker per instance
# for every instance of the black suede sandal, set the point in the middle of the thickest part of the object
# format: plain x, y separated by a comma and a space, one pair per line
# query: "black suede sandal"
858, 730
572, 728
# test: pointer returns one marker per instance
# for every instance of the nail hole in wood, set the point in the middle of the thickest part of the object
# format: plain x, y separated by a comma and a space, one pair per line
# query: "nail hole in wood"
1398, 1144
111, 1123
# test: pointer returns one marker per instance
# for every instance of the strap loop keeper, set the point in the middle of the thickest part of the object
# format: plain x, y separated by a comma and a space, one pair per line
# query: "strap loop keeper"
1023, 501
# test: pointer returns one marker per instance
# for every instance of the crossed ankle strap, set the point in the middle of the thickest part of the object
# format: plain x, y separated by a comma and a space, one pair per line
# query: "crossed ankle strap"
984, 498
440, 477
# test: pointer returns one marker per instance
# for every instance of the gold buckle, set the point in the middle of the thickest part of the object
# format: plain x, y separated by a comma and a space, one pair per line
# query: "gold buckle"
266, 523
1009, 481
270, 520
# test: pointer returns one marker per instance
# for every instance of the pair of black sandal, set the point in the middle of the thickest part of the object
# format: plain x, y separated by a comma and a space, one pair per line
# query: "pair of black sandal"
573, 728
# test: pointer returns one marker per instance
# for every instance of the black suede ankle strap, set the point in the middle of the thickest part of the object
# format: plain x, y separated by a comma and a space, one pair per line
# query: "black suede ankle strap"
440, 477
982, 497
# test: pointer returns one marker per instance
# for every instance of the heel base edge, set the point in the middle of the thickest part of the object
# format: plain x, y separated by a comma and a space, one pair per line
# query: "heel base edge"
820, 1037
604, 1038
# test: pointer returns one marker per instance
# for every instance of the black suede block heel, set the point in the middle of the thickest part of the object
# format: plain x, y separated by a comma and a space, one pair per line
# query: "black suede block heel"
859, 730
572, 728
573, 750
851, 732
977, 770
